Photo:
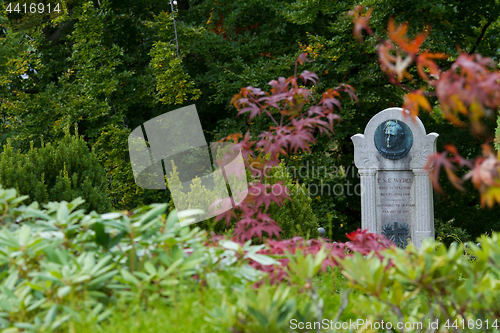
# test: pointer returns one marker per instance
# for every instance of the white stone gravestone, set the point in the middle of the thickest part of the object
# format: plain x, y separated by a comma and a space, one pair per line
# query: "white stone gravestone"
395, 187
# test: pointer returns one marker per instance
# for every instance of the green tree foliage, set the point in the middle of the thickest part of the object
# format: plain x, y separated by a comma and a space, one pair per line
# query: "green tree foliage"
197, 196
330, 186
90, 65
56, 172
447, 232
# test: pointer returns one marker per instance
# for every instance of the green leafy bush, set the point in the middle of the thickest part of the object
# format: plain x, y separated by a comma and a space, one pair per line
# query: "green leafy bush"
56, 172
447, 232
199, 197
296, 216
333, 185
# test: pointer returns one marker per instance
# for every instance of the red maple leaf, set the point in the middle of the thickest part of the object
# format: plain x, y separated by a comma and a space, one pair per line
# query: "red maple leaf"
398, 35
415, 100
302, 58
360, 21
424, 61
308, 76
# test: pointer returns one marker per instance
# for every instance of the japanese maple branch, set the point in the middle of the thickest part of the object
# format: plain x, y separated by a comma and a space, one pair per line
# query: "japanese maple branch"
272, 118
483, 31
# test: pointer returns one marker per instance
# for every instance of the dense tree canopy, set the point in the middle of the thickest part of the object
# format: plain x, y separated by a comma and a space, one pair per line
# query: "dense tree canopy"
108, 66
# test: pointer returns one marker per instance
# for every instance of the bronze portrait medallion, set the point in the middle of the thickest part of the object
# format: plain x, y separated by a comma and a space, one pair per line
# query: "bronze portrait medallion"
393, 139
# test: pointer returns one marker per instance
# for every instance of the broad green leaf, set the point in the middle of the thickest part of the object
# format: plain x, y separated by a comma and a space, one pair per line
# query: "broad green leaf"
102, 278
51, 314
149, 267
151, 214
110, 216
228, 244
62, 212
63, 291
129, 277
263, 259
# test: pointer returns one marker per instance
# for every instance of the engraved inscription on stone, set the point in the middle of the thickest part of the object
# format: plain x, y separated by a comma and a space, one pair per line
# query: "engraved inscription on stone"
394, 196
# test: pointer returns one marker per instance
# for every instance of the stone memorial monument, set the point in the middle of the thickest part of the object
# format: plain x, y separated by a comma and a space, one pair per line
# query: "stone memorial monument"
396, 192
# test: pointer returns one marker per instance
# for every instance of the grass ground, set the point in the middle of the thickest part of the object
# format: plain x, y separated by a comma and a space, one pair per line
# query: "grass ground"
186, 314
